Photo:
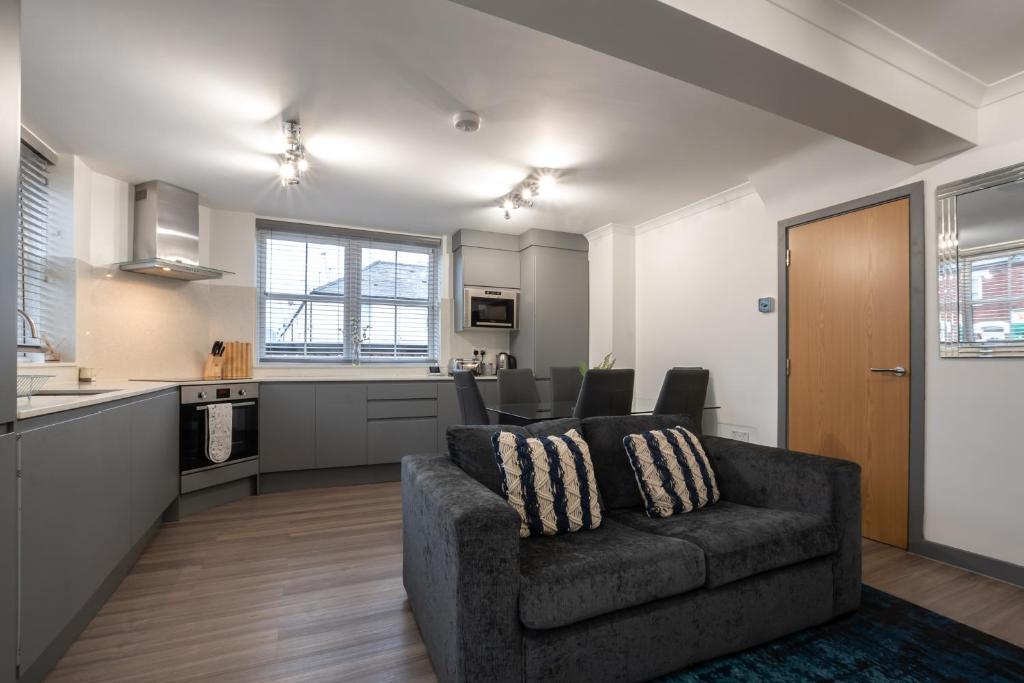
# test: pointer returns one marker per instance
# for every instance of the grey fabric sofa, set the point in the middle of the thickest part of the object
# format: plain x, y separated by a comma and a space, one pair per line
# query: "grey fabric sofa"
637, 597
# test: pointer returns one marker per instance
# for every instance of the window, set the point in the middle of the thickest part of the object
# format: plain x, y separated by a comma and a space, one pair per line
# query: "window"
326, 292
995, 309
33, 227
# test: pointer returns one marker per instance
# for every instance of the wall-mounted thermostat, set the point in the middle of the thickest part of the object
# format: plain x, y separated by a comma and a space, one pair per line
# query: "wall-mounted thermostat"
766, 304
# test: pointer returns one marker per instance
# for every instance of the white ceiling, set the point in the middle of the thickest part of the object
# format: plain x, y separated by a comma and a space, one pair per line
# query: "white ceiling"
982, 38
193, 92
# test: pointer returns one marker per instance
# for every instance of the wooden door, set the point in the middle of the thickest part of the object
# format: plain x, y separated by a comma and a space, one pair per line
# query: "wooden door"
849, 312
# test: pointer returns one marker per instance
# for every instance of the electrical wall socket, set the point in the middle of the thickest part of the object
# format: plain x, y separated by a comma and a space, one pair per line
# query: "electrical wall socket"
738, 432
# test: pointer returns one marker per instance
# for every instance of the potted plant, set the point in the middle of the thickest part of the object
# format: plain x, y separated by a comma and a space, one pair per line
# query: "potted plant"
607, 363
357, 336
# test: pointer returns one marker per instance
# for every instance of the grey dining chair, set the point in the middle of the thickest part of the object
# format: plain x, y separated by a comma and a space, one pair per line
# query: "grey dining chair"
605, 392
471, 403
684, 392
565, 383
517, 386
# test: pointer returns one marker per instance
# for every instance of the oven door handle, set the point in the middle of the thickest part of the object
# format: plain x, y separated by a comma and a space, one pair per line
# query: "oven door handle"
233, 405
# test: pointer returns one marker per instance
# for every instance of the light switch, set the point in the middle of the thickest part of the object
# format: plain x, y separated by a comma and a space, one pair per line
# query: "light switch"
766, 304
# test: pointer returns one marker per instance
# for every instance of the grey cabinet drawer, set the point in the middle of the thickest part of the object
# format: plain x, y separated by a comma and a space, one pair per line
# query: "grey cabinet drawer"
424, 407
389, 440
219, 475
401, 390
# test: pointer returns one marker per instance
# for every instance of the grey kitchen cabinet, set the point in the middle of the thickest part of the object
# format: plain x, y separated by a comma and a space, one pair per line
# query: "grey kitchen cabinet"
388, 440
154, 460
10, 150
340, 431
75, 511
8, 557
448, 413
553, 330
287, 427
482, 267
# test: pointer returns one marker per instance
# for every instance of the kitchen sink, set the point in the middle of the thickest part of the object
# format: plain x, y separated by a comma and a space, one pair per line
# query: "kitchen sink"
71, 392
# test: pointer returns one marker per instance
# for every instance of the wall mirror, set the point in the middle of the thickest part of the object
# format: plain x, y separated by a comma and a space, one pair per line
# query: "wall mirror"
981, 265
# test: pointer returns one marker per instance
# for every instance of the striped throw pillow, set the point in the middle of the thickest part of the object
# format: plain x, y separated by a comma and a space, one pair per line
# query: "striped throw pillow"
550, 482
672, 470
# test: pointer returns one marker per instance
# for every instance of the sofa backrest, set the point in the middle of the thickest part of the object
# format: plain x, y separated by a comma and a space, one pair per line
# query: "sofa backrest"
470, 446
615, 478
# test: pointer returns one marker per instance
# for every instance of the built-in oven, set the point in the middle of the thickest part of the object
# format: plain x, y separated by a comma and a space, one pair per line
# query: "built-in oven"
489, 308
195, 403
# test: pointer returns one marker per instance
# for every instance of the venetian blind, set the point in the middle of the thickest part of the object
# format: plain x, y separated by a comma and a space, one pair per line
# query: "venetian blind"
33, 221
342, 295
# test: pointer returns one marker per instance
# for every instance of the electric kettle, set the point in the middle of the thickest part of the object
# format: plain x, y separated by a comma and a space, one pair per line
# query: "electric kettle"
506, 361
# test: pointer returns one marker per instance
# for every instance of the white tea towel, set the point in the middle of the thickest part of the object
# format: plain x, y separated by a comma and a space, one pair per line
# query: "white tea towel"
218, 431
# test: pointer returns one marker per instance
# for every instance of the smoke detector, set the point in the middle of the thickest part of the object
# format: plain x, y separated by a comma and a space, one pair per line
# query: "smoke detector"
467, 121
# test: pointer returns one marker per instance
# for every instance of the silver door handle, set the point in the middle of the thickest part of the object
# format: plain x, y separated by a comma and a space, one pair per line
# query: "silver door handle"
899, 370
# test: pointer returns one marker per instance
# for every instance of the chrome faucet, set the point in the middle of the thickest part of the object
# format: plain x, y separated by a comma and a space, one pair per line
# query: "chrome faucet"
29, 348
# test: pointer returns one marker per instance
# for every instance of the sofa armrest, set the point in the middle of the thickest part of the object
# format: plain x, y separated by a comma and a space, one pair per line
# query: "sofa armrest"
460, 549
775, 478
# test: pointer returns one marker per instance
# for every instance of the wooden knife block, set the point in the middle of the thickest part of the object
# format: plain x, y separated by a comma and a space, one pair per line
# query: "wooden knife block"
213, 368
237, 360
235, 363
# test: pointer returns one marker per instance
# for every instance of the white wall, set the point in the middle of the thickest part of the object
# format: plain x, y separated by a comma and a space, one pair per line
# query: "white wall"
973, 461
132, 326
612, 272
129, 326
699, 275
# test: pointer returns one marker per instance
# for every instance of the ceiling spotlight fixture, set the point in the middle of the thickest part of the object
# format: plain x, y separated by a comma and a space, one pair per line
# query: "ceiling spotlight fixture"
547, 179
524, 194
467, 121
293, 161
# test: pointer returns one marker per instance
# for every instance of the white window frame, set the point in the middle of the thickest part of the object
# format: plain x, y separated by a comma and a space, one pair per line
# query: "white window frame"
33, 290
353, 240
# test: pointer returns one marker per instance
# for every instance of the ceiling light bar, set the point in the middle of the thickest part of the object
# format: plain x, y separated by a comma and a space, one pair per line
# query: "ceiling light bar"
293, 161
524, 194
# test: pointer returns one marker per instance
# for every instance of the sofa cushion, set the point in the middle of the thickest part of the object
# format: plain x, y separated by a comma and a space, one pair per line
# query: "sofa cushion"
615, 479
672, 471
549, 480
739, 540
470, 446
568, 578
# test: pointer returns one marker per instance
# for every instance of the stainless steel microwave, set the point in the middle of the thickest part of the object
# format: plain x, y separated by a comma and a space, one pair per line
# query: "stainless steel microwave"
487, 308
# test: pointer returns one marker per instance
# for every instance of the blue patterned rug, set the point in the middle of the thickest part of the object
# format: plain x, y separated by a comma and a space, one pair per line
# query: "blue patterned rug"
887, 639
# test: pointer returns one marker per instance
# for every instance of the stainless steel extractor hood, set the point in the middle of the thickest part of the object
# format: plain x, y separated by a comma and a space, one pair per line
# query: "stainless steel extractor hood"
167, 233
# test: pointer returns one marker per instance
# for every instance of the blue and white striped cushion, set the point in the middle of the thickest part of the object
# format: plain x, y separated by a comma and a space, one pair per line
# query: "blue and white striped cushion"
672, 470
550, 482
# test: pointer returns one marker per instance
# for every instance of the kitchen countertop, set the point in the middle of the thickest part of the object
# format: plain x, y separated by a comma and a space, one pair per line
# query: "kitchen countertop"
113, 391
116, 390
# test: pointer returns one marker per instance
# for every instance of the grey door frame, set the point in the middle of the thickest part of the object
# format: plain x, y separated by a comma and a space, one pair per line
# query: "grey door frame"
915, 193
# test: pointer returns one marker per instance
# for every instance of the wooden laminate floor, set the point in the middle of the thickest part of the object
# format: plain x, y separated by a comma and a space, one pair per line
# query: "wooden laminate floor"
307, 586
986, 604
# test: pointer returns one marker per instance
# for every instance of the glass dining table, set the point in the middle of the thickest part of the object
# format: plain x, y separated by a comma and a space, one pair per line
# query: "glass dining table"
552, 410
